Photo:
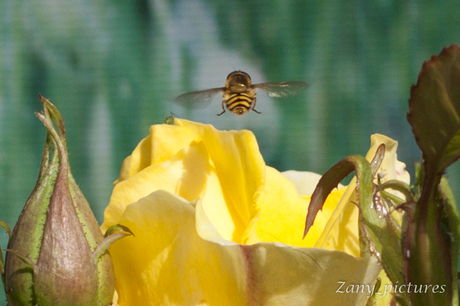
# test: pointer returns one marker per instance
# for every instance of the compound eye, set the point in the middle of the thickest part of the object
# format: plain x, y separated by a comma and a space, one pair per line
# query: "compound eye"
238, 88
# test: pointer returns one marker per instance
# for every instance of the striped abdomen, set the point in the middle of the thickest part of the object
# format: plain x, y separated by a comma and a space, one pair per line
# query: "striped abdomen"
240, 103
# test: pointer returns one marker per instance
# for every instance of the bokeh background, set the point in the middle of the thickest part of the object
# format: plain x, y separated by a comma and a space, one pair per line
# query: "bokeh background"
113, 68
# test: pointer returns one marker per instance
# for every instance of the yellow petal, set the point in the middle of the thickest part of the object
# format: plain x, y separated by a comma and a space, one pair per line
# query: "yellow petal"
167, 263
193, 160
163, 143
241, 172
283, 211
391, 168
305, 182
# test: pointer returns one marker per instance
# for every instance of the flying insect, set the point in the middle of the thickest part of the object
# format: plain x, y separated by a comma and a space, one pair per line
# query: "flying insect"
239, 94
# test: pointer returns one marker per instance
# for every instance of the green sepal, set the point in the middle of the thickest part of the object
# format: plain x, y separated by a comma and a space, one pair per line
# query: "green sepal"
29, 263
2, 266
6, 227
118, 228
378, 235
333, 177
398, 186
113, 233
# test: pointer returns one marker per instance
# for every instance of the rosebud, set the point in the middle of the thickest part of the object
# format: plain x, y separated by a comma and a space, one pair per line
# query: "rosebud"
57, 254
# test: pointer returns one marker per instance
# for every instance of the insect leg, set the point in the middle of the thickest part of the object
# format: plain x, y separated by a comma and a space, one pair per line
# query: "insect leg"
223, 108
254, 105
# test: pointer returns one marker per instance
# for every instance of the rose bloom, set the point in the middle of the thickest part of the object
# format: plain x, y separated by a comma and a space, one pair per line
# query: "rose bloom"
214, 225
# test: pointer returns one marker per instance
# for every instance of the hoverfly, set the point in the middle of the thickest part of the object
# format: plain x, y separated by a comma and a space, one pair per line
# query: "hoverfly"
239, 94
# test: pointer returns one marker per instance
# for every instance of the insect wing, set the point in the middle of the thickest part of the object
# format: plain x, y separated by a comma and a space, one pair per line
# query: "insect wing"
283, 89
198, 99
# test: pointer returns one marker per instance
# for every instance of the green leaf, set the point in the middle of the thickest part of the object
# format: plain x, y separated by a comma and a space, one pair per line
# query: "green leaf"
434, 110
431, 239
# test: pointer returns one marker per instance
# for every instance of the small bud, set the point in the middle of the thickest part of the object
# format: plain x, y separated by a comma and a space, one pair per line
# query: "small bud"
57, 254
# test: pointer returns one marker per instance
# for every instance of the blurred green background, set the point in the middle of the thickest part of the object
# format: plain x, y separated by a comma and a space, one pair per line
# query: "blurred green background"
113, 68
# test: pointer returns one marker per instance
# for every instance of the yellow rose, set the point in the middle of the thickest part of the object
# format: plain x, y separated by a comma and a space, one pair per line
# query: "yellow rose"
213, 225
